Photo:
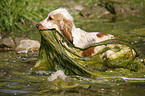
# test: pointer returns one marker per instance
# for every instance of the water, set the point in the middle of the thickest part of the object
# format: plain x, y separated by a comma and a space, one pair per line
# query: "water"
15, 69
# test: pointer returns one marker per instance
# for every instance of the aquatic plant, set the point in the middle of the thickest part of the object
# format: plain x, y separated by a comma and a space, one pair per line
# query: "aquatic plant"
55, 55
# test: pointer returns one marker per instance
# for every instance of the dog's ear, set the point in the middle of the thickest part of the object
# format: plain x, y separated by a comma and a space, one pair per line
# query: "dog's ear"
66, 28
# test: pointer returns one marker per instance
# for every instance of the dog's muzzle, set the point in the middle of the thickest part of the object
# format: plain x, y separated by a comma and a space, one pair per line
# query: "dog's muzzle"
40, 26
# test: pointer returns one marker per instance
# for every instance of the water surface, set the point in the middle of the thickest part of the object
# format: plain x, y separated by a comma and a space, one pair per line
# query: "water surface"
15, 69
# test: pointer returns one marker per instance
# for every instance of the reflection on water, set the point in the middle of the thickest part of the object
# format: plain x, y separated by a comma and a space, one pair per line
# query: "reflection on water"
13, 65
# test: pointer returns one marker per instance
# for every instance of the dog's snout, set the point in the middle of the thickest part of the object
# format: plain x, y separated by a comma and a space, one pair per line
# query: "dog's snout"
40, 26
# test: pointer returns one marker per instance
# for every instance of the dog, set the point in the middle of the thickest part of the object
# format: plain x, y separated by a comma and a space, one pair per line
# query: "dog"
62, 21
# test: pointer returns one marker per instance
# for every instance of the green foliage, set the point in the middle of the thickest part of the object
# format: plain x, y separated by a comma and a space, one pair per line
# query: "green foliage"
139, 3
21, 14
90, 2
15, 13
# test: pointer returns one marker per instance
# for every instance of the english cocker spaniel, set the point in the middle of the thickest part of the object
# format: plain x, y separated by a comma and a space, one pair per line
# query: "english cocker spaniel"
62, 21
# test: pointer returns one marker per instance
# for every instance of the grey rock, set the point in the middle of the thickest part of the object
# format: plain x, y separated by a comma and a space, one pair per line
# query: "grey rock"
7, 43
27, 45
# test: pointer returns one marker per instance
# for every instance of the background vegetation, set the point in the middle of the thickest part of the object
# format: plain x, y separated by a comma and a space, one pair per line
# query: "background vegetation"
21, 14
16, 15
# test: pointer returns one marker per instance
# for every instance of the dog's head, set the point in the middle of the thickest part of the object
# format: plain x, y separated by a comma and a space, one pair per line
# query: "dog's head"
60, 20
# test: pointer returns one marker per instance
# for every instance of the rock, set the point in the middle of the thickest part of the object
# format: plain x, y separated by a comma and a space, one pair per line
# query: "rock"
27, 45
85, 13
58, 73
18, 39
75, 7
78, 7
7, 43
59, 80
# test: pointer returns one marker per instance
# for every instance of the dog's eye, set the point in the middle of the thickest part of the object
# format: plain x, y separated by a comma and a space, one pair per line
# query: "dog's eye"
50, 18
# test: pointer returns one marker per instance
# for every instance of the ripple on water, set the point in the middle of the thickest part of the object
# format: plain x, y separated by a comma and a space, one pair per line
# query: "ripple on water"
13, 91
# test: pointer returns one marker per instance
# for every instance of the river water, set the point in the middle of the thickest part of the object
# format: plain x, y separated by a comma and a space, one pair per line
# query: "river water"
15, 69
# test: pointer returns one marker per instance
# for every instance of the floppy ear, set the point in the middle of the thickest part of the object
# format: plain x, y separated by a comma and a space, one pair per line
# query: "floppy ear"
66, 28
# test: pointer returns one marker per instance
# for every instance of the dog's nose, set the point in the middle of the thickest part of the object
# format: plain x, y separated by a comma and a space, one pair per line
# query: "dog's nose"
40, 26
37, 25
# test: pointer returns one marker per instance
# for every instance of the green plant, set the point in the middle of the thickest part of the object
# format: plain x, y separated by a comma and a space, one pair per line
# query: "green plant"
15, 13
20, 14
89, 3
139, 3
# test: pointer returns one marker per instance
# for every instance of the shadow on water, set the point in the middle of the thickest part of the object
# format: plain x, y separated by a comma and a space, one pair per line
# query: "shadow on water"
13, 66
